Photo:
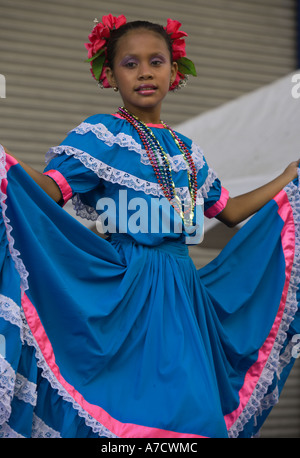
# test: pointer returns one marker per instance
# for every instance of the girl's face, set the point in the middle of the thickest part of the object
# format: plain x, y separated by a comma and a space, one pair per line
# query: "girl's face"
143, 73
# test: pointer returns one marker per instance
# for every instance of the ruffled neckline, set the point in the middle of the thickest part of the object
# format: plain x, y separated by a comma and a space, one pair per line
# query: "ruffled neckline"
159, 126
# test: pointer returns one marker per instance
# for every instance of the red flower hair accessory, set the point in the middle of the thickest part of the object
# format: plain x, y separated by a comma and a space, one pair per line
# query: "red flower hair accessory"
185, 66
97, 47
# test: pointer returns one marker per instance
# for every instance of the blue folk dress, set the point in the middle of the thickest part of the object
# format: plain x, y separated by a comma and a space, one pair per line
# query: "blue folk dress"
123, 337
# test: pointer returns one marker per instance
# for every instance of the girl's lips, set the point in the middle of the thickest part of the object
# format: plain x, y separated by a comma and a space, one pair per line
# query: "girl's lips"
146, 89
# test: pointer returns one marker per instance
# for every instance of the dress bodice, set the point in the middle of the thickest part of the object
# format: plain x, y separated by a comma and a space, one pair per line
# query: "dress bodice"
103, 166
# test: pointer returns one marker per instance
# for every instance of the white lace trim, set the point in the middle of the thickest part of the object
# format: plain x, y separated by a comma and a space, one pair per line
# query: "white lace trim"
276, 361
10, 311
6, 432
7, 383
113, 175
41, 430
25, 390
82, 210
15, 384
209, 181
285, 357
177, 162
105, 171
12, 384
14, 253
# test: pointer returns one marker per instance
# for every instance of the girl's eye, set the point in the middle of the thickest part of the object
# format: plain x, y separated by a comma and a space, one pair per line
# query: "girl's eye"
130, 64
156, 62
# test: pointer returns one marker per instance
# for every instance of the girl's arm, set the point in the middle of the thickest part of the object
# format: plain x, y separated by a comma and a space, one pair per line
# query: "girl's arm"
45, 182
241, 207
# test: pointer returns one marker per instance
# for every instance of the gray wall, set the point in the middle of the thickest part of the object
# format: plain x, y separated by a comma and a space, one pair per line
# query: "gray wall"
237, 46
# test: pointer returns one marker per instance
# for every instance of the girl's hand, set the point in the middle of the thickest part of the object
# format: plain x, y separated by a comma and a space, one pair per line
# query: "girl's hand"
45, 182
291, 172
241, 207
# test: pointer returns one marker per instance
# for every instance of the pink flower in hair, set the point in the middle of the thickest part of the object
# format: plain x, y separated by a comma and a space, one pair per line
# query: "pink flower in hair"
101, 32
97, 39
113, 22
185, 66
172, 29
178, 48
178, 43
103, 79
97, 45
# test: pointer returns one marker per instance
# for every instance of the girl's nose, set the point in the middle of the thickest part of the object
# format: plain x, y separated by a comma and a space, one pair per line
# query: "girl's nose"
145, 72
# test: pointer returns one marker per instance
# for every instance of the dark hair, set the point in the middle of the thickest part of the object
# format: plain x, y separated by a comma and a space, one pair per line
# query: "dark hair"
134, 25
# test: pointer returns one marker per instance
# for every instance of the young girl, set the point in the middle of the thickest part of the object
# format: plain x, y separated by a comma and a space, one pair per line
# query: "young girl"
124, 337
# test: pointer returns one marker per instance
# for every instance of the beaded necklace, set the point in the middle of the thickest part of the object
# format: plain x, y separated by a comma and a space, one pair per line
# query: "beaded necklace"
161, 165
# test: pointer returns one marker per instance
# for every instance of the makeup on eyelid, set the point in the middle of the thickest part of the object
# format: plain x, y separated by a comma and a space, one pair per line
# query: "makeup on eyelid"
134, 60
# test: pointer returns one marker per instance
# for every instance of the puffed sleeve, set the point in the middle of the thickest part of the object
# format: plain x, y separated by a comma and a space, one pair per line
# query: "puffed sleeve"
216, 200
71, 176
210, 188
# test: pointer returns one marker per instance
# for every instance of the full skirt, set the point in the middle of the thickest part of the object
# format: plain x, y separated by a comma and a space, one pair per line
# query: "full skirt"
114, 339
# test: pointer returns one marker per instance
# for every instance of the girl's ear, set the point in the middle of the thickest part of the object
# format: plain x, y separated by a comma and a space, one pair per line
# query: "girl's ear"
110, 77
174, 70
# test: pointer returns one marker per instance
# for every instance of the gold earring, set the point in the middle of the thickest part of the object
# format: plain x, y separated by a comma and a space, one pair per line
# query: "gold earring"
115, 89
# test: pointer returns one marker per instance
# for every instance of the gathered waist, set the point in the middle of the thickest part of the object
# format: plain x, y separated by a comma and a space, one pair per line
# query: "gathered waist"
172, 247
